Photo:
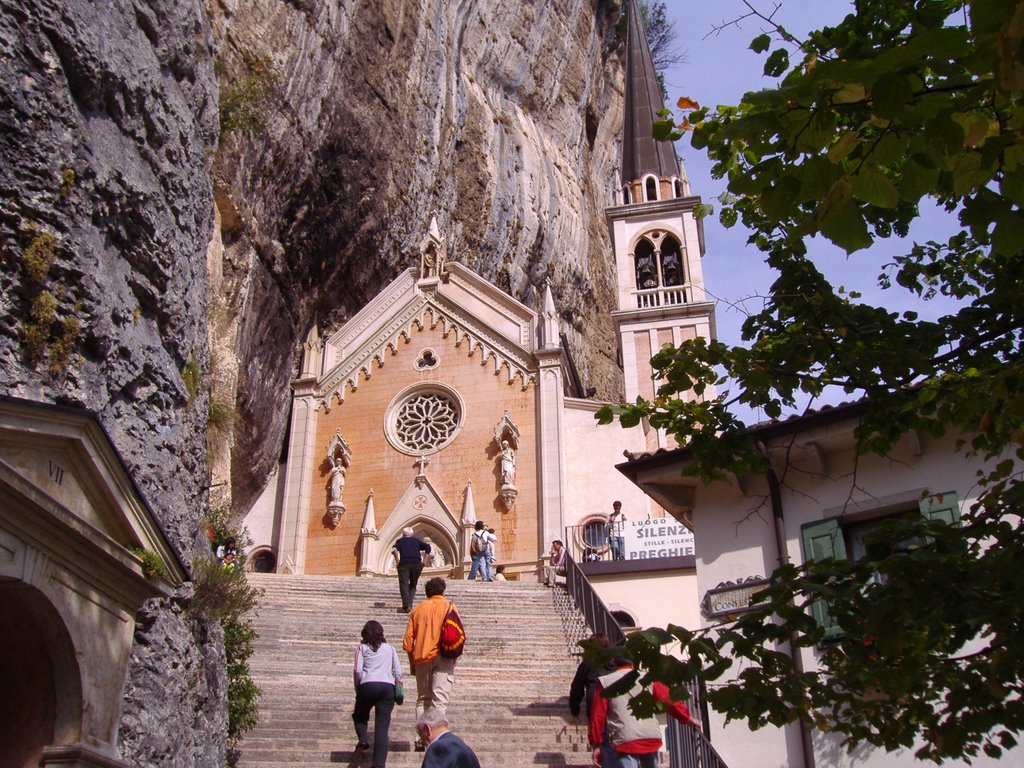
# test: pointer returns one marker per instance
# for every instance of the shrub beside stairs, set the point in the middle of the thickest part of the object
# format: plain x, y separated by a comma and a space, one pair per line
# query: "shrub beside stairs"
509, 703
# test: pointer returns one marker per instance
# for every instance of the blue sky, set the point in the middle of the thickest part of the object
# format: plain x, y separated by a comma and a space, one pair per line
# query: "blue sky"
718, 69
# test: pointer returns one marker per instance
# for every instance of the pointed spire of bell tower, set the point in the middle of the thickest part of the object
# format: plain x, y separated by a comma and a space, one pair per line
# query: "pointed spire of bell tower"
656, 235
641, 154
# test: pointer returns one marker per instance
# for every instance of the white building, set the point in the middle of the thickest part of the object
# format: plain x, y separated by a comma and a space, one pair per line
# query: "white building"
827, 499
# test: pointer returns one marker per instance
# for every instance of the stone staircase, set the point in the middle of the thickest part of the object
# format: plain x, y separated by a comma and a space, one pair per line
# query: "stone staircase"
510, 701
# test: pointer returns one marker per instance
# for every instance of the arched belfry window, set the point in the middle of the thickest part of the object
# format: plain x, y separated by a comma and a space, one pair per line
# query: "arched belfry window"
678, 187
646, 266
659, 269
671, 262
651, 187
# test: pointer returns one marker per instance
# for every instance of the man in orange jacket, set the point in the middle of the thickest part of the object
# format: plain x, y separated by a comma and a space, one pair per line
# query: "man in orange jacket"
435, 674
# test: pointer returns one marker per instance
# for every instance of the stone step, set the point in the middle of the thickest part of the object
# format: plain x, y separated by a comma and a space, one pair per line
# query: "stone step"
509, 700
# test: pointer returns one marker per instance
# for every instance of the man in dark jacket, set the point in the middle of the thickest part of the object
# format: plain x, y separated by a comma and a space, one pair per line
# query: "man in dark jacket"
408, 553
444, 748
585, 681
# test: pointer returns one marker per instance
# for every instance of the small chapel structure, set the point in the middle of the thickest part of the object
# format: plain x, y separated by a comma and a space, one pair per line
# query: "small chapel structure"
445, 401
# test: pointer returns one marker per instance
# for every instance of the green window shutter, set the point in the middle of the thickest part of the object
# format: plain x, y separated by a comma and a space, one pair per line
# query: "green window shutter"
941, 506
822, 540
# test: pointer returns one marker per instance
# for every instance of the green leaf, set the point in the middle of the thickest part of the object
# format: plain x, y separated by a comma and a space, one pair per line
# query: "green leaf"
890, 95
969, 173
777, 63
916, 181
976, 125
849, 93
761, 43
872, 186
841, 221
842, 148
665, 130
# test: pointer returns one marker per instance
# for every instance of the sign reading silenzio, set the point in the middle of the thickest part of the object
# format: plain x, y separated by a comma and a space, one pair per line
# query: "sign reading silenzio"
660, 537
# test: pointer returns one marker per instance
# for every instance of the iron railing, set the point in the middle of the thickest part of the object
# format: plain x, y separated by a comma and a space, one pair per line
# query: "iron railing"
665, 296
688, 747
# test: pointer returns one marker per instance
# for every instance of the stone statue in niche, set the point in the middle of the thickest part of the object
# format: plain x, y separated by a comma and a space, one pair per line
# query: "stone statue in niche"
337, 480
339, 457
437, 558
506, 436
508, 464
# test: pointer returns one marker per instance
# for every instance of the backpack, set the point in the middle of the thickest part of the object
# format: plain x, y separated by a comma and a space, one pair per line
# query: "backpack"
478, 546
452, 642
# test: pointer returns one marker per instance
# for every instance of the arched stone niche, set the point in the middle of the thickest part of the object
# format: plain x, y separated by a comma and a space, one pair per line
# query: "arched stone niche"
69, 585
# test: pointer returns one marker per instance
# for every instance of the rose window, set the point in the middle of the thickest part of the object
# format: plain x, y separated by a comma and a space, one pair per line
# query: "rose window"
425, 422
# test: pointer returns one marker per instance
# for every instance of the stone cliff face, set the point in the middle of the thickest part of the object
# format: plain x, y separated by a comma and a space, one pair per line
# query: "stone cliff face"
107, 126
501, 119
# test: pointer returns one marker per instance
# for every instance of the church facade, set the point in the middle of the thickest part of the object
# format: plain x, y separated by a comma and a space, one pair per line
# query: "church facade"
445, 401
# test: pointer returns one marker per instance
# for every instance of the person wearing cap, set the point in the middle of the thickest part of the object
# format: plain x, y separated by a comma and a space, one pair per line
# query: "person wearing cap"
408, 553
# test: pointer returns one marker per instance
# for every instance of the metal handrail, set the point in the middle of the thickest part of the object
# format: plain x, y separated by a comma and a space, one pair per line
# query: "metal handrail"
594, 611
687, 746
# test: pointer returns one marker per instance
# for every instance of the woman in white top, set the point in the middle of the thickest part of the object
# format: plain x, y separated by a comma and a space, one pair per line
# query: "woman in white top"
375, 673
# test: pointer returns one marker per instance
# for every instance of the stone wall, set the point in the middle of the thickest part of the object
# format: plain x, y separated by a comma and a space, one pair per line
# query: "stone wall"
108, 121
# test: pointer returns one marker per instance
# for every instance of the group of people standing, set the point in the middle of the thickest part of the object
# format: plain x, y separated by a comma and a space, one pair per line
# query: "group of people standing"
481, 552
377, 675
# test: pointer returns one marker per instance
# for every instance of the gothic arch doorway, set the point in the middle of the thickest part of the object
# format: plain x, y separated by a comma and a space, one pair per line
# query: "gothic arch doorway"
42, 701
442, 545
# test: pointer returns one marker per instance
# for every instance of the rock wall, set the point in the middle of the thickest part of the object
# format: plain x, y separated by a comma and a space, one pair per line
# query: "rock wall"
108, 122
502, 119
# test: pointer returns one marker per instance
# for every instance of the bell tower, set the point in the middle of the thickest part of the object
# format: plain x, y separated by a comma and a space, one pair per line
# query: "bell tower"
657, 239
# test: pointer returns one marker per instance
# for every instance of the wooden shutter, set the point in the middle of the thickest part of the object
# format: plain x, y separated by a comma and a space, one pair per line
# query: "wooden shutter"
824, 539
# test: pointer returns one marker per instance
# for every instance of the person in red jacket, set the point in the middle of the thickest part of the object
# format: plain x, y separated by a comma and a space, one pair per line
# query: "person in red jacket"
621, 740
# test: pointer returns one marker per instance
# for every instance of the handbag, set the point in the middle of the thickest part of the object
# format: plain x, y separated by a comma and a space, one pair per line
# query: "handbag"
399, 693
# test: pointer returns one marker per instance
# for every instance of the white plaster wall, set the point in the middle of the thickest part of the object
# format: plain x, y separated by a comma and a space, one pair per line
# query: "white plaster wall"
654, 599
261, 519
591, 452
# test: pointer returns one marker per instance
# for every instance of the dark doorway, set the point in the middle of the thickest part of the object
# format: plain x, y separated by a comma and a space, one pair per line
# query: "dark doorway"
40, 706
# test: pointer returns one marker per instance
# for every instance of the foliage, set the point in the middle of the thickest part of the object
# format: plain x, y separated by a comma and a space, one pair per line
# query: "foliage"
190, 376
899, 104
243, 693
152, 565
221, 416
43, 333
219, 529
221, 591
223, 594
38, 256
662, 38
67, 182
244, 105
